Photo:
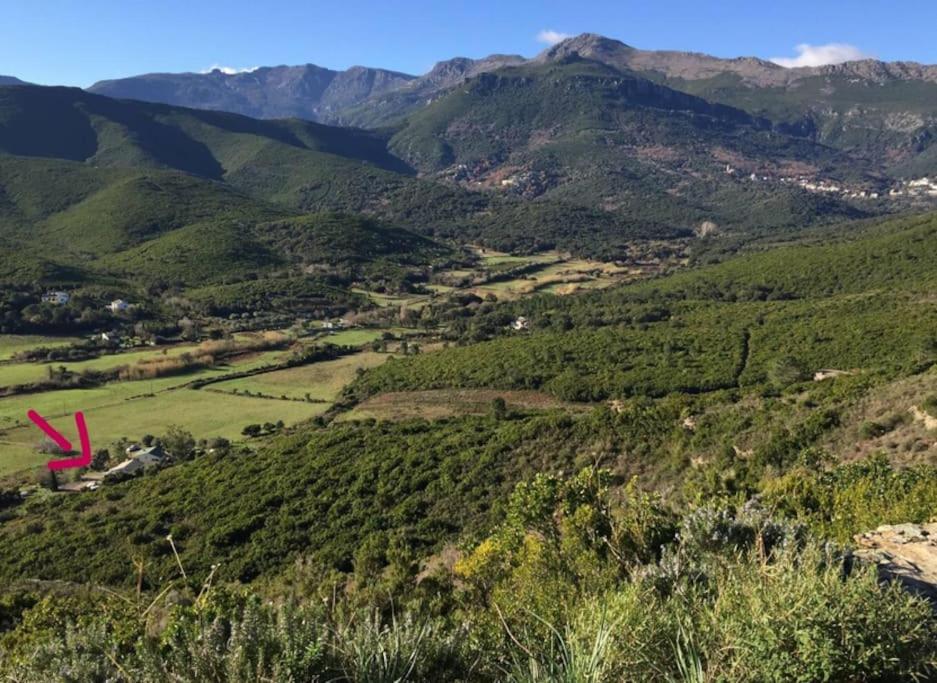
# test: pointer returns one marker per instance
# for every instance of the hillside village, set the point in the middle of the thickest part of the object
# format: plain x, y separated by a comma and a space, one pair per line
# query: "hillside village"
914, 188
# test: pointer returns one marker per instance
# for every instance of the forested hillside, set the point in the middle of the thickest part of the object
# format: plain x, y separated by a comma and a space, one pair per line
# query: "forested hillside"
716, 485
589, 181
719, 327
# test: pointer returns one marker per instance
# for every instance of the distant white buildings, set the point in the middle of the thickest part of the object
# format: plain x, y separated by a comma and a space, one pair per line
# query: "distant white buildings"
918, 187
521, 323
56, 298
118, 306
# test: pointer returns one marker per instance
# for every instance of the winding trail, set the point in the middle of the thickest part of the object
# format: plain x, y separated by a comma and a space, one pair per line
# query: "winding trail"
744, 356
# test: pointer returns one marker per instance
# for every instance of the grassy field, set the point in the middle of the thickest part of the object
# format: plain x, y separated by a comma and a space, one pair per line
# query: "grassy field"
438, 403
322, 381
11, 344
25, 373
202, 413
563, 277
135, 408
131, 409
385, 300
490, 257
356, 337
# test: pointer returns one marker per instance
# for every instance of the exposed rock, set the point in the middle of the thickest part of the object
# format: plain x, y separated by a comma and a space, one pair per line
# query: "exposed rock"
929, 421
706, 228
830, 373
905, 553
616, 405
454, 71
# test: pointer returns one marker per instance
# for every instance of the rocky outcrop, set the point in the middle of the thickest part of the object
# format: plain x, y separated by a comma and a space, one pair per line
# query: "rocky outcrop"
903, 552
455, 71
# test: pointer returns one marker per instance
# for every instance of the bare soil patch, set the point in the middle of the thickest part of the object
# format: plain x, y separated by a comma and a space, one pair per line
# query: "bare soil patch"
438, 403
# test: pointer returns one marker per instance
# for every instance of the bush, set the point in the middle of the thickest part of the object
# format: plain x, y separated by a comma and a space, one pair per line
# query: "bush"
930, 405
178, 442
854, 498
252, 430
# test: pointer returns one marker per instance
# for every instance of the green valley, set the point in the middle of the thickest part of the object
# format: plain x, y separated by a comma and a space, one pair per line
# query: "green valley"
600, 365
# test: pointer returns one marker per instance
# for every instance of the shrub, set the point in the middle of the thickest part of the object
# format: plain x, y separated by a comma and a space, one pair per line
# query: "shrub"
178, 442
252, 430
930, 405
853, 498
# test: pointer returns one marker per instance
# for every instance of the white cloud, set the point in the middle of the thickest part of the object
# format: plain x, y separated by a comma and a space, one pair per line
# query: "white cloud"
230, 70
551, 37
821, 55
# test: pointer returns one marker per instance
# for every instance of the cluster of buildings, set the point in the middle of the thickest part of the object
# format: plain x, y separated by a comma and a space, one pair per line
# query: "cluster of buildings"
138, 459
61, 298
829, 187
56, 298
527, 183
919, 187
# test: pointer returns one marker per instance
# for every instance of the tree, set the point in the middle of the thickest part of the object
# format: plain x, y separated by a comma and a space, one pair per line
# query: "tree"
100, 459
785, 371
252, 430
178, 442
48, 480
499, 408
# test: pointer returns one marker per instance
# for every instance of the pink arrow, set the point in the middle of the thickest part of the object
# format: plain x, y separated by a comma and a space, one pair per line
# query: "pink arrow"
81, 461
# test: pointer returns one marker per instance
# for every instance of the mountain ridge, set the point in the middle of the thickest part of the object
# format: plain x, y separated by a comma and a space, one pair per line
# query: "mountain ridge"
328, 95
305, 91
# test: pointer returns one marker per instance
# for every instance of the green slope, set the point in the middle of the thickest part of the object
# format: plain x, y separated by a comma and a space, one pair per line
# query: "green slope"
615, 158
862, 305
323, 493
611, 140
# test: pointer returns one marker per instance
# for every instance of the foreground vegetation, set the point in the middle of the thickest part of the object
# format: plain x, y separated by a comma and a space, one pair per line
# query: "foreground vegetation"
691, 518
573, 584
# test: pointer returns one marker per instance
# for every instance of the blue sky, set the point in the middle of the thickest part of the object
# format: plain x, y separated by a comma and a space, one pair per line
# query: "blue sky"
77, 42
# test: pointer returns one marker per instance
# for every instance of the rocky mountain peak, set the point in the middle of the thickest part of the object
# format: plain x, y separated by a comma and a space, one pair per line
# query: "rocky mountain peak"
588, 45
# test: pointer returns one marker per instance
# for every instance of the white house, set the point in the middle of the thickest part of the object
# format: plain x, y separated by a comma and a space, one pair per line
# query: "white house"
56, 298
142, 458
118, 306
520, 324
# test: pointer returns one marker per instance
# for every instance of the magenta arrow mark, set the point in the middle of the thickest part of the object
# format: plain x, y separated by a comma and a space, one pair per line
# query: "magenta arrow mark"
82, 460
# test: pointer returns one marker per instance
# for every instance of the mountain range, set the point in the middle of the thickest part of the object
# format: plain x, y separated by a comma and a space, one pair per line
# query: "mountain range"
308, 91
867, 105
587, 147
